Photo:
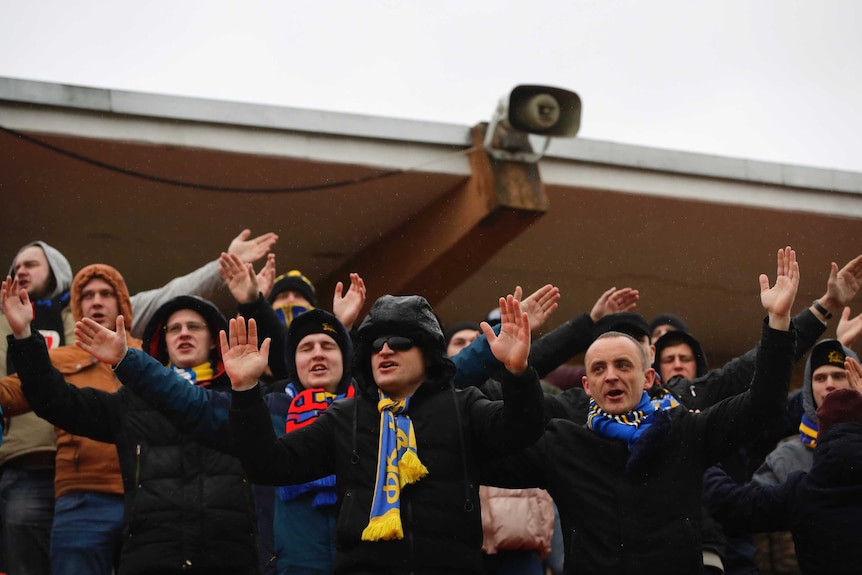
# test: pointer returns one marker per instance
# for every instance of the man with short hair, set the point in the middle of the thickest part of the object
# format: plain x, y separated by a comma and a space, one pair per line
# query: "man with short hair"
408, 504
628, 484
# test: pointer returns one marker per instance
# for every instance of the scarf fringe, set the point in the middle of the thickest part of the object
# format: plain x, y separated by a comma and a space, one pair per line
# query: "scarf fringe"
410, 469
386, 527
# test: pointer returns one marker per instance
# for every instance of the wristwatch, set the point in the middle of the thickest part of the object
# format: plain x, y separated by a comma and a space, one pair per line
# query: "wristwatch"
820, 309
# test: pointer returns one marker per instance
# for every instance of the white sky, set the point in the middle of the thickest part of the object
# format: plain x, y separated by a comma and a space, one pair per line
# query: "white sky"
775, 80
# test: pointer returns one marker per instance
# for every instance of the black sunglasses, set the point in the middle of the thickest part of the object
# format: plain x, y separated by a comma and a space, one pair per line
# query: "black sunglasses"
396, 343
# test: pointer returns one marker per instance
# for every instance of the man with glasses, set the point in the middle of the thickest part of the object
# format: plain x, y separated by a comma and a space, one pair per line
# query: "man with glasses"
406, 450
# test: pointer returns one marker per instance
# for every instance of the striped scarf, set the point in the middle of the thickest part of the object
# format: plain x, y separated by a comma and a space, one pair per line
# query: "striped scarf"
628, 426
398, 465
199, 375
305, 407
808, 432
661, 398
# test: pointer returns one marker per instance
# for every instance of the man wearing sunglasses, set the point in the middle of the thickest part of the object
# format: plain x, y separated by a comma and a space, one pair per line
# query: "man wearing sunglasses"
406, 450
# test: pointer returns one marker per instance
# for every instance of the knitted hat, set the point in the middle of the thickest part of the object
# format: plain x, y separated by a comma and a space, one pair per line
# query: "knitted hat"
626, 322
318, 321
829, 352
840, 406
294, 281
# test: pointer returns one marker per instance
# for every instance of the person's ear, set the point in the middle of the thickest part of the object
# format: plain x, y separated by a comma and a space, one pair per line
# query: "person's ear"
649, 378
586, 384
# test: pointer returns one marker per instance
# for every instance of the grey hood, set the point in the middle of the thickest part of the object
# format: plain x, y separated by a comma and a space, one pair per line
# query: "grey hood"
59, 267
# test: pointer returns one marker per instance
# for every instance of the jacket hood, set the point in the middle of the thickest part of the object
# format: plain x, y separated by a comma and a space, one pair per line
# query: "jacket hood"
409, 316
808, 403
319, 321
114, 279
154, 332
59, 265
675, 337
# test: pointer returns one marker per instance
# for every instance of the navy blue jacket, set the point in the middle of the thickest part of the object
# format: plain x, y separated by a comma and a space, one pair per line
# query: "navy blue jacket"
822, 508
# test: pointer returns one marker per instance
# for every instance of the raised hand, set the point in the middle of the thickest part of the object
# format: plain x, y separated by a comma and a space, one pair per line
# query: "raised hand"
848, 329
239, 278
347, 307
16, 306
266, 276
614, 301
251, 250
854, 373
778, 299
842, 285
243, 361
512, 346
539, 305
105, 345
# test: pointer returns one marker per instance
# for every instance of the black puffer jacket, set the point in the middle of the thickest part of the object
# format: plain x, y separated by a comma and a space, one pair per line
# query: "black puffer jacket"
454, 431
624, 512
187, 506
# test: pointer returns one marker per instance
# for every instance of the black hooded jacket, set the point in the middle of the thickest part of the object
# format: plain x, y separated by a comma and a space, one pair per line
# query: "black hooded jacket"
187, 507
454, 430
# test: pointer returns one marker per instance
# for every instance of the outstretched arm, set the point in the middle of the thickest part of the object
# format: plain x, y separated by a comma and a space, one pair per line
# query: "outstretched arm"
204, 281
778, 299
749, 507
726, 425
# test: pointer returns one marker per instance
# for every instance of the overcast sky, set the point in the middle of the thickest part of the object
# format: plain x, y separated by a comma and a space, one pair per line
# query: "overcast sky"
775, 80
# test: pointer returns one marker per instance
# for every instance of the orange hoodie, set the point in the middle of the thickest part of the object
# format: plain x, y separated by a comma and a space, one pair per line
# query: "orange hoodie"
82, 464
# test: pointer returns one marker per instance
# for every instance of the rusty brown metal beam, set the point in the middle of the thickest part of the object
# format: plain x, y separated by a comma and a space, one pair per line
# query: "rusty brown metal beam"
433, 252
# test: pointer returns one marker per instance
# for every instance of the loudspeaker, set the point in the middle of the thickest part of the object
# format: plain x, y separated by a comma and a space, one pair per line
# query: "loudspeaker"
544, 110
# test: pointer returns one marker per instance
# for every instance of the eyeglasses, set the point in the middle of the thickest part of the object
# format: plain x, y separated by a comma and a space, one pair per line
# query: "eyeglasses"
396, 343
192, 326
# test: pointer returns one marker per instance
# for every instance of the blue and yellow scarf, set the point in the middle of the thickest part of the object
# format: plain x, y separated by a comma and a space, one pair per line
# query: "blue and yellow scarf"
808, 432
628, 426
199, 375
398, 465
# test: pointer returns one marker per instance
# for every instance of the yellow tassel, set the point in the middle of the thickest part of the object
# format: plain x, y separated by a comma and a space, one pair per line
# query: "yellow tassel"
410, 469
386, 527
